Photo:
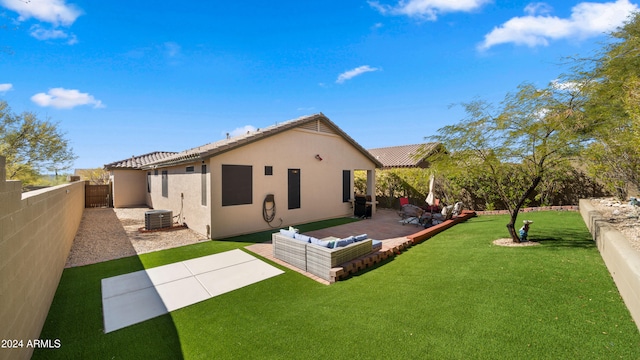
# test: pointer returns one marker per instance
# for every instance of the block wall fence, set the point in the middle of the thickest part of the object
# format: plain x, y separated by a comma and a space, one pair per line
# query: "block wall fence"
37, 229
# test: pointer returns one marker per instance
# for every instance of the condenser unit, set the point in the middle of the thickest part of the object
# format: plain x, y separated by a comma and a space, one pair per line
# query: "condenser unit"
158, 219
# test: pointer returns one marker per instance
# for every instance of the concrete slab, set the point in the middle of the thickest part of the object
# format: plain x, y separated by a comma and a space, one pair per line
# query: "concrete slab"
126, 283
167, 273
217, 261
135, 297
184, 292
234, 277
131, 308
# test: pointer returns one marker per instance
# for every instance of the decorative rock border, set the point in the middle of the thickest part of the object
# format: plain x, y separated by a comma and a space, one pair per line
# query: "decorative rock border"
531, 209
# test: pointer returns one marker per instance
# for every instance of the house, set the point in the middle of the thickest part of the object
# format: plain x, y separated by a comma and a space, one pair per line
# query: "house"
293, 172
128, 181
406, 156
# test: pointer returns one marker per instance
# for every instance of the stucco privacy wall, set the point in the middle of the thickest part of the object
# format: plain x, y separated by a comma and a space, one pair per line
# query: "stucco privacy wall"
36, 233
621, 259
129, 188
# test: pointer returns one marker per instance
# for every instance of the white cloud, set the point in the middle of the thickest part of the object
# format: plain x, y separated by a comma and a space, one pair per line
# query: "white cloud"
350, 74
41, 33
538, 8
587, 19
5, 87
242, 130
55, 12
427, 9
570, 86
61, 98
172, 49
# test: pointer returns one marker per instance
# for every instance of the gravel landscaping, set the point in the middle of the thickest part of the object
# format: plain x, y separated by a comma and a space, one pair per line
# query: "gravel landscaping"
107, 234
624, 217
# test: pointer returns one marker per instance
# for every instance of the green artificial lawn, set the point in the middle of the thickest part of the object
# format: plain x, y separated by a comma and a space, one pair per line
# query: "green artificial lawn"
455, 296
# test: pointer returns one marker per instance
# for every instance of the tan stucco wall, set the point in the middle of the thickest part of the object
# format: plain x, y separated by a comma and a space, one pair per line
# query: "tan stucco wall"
129, 188
321, 183
36, 233
622, 260
181, 183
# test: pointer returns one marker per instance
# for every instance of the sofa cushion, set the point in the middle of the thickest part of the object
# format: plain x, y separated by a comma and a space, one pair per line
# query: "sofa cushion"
344, 242
319, 242
288, 233
361, 237
302, 237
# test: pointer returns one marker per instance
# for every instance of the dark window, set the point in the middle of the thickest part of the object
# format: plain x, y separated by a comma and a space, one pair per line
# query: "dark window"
155, 172
346, 185
165, 183
268, 170
191, 168
294, 188
203, 185
237, 185
148, 181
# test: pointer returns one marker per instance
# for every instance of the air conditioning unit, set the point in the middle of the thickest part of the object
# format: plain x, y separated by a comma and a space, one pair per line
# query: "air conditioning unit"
158, 219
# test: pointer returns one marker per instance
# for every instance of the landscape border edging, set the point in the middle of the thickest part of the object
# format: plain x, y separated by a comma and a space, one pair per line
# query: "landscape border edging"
622, 260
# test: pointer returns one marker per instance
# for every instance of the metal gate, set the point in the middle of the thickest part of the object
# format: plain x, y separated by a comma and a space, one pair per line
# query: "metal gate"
97, 195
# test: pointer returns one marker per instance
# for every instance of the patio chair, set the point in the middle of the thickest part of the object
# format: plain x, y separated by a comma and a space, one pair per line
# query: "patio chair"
433, 208
404, 201
361, 209
457, 208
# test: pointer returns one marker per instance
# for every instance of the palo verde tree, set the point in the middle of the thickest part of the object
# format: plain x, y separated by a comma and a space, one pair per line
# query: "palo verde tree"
514, 146
613, 109
31, 146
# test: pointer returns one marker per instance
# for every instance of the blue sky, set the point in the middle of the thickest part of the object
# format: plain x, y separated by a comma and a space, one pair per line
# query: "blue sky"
128, 78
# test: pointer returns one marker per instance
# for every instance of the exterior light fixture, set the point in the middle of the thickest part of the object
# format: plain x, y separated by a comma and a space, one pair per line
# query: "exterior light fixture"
318, 157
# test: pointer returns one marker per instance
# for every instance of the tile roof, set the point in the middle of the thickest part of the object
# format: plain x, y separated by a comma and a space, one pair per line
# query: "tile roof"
404, 155
137, 162
318, 122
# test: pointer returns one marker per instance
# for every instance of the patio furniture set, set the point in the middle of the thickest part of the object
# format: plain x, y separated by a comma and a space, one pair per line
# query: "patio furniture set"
319, 256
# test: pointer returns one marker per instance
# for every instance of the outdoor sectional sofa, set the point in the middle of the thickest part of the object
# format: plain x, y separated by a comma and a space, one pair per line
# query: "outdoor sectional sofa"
318, 256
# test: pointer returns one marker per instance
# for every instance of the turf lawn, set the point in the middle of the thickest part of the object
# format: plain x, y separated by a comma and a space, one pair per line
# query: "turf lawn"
455, 296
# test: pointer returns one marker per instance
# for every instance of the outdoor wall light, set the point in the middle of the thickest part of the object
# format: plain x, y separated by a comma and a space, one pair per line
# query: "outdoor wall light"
318, 157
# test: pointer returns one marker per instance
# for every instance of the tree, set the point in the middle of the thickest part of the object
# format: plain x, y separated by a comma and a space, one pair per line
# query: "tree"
97, 176
31, 146
514, 147
613, 109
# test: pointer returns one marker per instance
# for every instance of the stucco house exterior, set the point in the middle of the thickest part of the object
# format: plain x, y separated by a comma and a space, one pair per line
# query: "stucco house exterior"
128, 181
293, 172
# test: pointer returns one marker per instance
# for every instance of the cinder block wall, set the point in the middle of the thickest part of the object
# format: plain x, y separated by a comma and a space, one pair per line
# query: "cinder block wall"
622, 260
36, 233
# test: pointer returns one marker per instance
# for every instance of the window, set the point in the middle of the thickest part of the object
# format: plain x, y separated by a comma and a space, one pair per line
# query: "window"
165, 183
237, 185
149, 181
268, 170
294, 188
191, 169
346, 185
203, 185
